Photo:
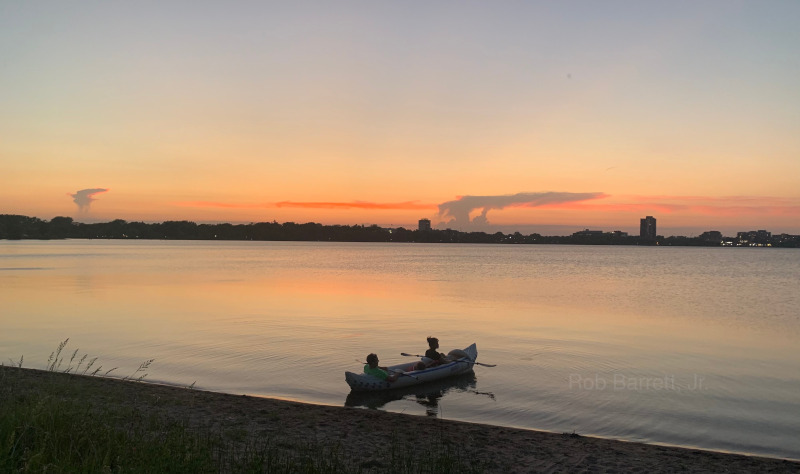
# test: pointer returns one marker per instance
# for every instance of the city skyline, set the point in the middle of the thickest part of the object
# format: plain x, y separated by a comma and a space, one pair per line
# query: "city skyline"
537, 118
16, 225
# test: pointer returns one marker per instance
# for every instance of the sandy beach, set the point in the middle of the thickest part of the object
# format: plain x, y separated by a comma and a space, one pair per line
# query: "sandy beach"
362, 435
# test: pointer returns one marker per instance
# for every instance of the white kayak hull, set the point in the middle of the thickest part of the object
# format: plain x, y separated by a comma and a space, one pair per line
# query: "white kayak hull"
365, 383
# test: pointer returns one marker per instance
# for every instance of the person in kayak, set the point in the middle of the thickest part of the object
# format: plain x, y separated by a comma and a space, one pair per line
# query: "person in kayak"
433, 354
372, 368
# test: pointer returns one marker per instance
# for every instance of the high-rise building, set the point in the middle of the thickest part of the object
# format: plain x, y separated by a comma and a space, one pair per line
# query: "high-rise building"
424, 224
647, 228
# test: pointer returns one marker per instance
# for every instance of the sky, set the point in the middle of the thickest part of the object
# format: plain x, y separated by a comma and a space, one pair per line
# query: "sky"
546, 117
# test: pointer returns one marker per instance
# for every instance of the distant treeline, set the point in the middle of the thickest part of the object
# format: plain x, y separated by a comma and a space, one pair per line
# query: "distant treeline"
15, 227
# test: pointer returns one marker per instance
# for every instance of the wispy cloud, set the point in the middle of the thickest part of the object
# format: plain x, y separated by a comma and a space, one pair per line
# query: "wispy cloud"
84, 197
407, 205
458, 212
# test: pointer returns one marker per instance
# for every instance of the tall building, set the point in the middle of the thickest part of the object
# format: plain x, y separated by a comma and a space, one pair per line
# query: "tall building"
647, 228
424, 224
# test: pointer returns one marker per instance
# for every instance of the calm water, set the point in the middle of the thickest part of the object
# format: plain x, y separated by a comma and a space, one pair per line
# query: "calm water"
682, 346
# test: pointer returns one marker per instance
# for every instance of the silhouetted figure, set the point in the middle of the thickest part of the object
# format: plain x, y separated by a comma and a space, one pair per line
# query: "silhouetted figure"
432, 352
374, 370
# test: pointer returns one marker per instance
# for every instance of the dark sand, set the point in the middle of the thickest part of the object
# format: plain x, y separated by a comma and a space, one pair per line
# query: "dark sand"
361, 434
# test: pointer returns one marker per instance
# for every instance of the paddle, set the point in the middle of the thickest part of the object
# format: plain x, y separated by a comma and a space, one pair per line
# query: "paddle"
393, 370
471, 362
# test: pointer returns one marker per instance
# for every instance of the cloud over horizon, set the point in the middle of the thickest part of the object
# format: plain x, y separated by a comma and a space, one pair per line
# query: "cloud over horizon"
410, 205
84, 198
458, 211
407, 205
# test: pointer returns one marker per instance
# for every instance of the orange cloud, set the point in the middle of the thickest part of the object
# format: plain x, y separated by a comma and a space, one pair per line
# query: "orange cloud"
408, 205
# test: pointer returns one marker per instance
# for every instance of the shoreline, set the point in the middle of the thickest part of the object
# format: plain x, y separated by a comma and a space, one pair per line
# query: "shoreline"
362, 435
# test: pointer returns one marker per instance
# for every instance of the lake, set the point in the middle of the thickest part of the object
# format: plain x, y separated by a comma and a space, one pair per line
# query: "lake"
682, 346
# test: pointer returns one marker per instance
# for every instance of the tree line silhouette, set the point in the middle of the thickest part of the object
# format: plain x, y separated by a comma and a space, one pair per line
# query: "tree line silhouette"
16, 227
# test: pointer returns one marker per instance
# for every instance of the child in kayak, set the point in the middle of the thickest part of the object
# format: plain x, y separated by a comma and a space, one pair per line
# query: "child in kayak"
373, 369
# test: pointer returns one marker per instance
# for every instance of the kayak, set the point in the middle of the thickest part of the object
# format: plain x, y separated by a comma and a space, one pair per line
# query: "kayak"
463, 363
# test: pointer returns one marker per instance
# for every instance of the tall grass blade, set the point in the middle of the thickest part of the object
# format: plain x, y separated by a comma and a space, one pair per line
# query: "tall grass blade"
89, 365
80, 362
54, 361
142, 367
69, 368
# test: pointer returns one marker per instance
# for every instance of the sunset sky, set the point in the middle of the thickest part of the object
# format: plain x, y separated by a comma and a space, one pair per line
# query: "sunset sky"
546, 117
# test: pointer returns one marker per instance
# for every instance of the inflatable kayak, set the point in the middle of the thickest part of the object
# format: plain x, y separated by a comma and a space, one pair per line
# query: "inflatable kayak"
462, 362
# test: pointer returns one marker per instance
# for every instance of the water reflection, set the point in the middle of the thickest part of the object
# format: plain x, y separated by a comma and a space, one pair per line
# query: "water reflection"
427, 395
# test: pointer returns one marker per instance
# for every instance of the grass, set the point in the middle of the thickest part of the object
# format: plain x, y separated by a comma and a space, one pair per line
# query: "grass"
56, 424
48, 433
56, 359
